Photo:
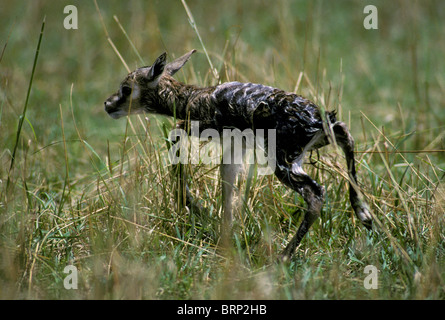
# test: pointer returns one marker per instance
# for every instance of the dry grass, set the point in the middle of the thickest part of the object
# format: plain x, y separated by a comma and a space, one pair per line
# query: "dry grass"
100, 194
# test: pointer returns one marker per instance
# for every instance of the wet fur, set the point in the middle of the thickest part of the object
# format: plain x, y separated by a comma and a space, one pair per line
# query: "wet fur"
298, 123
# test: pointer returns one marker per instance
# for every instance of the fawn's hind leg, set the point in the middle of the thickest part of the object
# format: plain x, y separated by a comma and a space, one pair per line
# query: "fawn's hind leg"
313, 194
358, 203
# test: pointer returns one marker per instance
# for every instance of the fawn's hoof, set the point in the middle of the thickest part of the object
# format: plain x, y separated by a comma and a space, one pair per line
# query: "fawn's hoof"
368, 224
365, 216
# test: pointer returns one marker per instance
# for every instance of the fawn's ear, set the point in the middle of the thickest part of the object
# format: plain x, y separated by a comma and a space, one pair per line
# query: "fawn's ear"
157, 68
174, 66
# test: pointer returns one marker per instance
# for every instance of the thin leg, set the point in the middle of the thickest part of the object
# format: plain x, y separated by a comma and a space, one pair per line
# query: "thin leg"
229, 172
185, 197
228, 176
313, 195
346, 142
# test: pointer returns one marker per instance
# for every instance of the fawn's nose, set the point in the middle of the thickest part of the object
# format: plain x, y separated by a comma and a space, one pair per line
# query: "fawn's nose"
107, 106
111, 103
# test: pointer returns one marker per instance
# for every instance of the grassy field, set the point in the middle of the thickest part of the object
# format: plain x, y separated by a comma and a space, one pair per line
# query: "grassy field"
78, 188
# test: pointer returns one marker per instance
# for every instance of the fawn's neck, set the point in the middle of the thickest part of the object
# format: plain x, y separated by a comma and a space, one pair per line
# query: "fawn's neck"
185, 101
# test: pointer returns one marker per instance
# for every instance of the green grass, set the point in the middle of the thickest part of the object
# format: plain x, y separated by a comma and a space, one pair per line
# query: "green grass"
99, 194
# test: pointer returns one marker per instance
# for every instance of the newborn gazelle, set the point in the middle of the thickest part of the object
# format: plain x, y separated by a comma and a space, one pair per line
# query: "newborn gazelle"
297, 121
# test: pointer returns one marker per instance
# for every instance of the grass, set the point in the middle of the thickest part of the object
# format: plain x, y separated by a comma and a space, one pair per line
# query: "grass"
99, 194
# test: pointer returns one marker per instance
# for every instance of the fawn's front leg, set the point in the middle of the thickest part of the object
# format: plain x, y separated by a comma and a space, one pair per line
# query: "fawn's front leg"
229, 169
228, 176
184, 196
313, 195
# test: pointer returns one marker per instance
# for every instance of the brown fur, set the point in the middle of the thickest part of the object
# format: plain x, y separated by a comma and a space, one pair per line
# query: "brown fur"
297, 122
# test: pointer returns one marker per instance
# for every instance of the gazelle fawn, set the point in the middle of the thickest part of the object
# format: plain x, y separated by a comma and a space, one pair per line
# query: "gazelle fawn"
298, 124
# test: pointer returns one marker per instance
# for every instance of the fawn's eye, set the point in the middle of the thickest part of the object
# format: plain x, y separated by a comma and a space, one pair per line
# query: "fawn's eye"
126, 91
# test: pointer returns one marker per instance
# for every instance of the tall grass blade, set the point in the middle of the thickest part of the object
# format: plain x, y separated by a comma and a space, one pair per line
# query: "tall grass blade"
195, 28
23, 115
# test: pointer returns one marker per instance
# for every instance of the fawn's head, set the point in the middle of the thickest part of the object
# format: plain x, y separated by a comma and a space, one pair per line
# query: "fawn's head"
139, 92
